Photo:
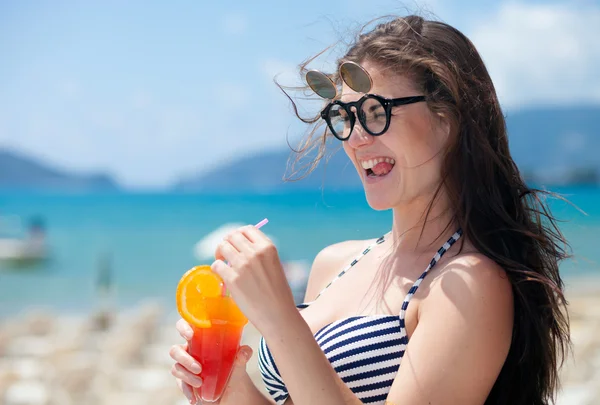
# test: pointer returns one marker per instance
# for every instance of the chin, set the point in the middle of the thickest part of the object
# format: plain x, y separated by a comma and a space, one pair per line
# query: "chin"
382, 192
378, 202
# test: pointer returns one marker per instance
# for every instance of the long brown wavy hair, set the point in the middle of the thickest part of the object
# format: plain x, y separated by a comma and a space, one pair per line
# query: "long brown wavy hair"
502, 216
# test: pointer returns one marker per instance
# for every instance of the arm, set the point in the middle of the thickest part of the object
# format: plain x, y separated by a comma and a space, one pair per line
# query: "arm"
249, 264
317, 383
469, 304
325, 266
462, 339
307, 373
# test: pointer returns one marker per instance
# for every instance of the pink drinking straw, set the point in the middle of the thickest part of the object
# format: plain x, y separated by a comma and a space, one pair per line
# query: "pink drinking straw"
262, 223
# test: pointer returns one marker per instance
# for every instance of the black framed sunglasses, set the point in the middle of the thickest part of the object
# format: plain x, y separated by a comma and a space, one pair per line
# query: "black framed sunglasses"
374, 114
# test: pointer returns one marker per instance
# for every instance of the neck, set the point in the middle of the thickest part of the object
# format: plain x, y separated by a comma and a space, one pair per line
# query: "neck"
415, 230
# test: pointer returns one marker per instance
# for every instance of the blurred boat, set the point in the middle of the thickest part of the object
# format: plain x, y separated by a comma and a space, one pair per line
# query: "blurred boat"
21, 248
21, 251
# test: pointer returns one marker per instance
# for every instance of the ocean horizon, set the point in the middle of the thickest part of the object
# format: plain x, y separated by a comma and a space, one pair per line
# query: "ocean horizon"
147, 239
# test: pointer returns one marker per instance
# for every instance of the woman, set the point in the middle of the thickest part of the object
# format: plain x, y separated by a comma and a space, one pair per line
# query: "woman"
462, 302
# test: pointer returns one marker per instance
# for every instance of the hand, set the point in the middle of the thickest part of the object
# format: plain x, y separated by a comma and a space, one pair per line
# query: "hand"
254, 276
186, 369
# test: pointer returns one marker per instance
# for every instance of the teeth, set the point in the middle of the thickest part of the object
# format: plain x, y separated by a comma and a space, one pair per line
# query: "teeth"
369, 164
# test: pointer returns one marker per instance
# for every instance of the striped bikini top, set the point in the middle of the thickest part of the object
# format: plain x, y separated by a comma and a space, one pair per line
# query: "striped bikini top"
365, 351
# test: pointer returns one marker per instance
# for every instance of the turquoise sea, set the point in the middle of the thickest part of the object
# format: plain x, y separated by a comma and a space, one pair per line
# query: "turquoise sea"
150, 238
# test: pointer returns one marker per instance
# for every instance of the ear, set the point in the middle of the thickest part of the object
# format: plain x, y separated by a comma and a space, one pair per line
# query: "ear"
443, 126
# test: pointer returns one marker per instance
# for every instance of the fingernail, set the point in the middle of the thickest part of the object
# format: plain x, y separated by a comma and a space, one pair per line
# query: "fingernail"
188, 332
197, 382
195, 368
243, 357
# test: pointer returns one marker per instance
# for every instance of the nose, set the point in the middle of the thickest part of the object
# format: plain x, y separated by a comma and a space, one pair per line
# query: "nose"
359, 137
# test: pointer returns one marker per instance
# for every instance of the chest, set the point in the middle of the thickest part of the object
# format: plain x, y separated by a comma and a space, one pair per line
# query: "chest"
375, 285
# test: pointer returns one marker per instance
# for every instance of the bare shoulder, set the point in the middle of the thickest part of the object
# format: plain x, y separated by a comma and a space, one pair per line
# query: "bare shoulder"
472, 280
329, 262
465, 324
473, 267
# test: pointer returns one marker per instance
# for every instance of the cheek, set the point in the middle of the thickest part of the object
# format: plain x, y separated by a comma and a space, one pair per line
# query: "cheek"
349, 152
414, 141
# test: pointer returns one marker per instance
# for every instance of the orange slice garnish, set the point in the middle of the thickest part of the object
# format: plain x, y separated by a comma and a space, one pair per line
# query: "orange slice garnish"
193, 289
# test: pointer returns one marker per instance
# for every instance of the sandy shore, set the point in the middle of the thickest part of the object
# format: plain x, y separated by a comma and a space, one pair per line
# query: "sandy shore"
49, 359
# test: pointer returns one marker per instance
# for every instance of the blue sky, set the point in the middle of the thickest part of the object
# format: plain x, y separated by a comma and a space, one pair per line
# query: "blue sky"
152, 90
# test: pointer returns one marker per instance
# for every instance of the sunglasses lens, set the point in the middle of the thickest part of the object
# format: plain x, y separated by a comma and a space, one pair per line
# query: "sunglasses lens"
355, 77
372, 115
339, 120
321, 84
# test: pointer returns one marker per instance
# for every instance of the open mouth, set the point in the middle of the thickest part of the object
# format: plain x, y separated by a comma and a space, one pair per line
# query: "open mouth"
379, 167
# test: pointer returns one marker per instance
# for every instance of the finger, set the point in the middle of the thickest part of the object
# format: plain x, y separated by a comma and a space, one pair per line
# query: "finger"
222, 270
226, 251
187, 390
184, 329
181, 356
240, 242
262, 245
255, 235
179, 372
244, 355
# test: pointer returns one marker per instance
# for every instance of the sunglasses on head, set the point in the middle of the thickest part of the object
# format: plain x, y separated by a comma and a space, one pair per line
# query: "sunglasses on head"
373, 112
354, 75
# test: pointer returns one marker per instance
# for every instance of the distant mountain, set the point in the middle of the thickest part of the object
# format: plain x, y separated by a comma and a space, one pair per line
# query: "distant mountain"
21, 172
557, 145
264, 172
550, 145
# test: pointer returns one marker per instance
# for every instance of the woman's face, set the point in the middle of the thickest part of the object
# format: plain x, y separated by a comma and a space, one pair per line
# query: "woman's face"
406, 160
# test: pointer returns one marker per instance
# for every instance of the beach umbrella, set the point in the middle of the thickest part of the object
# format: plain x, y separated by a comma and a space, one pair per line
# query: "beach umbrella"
204, 249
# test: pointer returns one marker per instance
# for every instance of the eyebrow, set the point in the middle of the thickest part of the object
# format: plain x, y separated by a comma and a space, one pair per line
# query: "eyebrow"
376, 107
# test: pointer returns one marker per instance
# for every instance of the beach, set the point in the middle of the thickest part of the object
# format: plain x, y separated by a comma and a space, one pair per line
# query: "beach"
581, 374
51, 358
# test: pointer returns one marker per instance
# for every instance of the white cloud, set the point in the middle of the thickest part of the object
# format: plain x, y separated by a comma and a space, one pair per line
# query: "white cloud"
235, 24
542, 53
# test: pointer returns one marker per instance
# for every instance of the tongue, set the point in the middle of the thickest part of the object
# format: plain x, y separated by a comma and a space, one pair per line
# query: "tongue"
382, 168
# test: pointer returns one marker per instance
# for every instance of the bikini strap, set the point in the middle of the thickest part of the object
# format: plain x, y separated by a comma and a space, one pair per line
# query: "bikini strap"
433, 262
346, 269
